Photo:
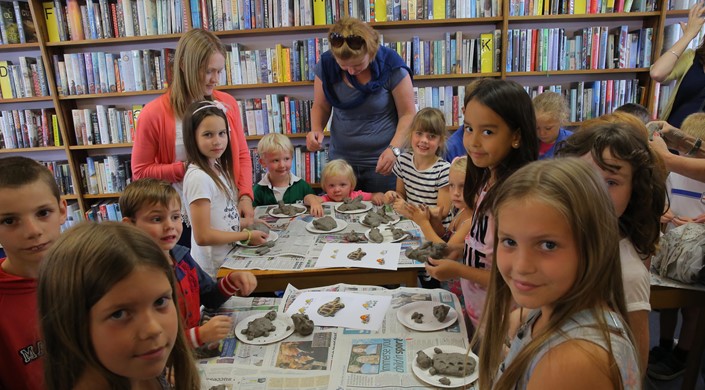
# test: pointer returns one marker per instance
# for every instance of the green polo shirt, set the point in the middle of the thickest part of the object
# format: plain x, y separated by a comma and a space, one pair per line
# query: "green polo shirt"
297, 190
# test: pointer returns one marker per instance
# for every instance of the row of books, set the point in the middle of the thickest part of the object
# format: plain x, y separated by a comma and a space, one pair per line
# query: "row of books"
74, 216
105, 210
304, 164
62, 175
578, 7
448, 99
455, 54
590, 99
105, 124
29, 129
549, 49
16, 25
105, 175
99, 72
98, 19
26, 79
275, 114
680, 4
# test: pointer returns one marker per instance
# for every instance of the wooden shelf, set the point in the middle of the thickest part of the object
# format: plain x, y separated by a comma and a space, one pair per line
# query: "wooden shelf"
677, 12
101, 146
113, 41
112, 94
295, 135
26, 100
290, 84
101, 196
590, 17
32, 150
69, 197
20, 46
583, 71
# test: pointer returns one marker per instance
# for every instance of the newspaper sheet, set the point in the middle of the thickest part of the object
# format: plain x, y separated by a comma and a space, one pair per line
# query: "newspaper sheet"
298, 249
331, 357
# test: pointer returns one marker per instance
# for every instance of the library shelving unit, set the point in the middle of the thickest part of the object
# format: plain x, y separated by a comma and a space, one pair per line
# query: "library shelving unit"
263, 39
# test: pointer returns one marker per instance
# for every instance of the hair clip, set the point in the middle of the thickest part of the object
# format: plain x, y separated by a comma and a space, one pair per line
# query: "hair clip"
212, 103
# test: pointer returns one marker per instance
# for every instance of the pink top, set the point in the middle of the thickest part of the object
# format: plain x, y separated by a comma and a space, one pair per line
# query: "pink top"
354, 194
154, 149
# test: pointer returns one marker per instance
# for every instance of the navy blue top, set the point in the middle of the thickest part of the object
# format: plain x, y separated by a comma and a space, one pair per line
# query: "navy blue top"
454, 145
690, 96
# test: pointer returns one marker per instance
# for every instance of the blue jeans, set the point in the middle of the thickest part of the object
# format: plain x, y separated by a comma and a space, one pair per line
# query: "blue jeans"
370, 181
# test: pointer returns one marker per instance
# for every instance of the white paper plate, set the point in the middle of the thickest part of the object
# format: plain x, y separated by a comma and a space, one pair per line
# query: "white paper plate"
341, 226
368, 206
277, 215
432, 380
430, 323
395, 220
273, 236
282, 322
387, 234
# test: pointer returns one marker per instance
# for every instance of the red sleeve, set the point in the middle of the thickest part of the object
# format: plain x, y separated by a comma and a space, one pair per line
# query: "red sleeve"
148, 159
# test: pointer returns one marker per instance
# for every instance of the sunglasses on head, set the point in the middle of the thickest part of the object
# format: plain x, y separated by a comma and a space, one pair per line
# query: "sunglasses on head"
354, 42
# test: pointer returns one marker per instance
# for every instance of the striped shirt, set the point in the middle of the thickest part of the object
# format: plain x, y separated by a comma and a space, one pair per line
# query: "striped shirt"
422, 186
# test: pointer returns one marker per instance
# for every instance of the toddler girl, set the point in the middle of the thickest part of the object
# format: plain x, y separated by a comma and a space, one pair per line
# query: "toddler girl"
338, 181
551, 113
108, 313
209, 189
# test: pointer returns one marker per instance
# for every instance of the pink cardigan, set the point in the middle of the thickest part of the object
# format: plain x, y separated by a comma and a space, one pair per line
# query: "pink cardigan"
154, 149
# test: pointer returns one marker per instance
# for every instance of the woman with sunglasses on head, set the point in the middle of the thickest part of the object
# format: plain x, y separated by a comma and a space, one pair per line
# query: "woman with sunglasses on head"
159, 152
370, 88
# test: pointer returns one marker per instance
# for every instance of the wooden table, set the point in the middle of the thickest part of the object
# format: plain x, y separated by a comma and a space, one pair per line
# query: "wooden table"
663, 297
268, 281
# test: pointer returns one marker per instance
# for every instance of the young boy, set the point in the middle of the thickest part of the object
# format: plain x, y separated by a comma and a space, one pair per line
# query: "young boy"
154, 206
275, 151
31, 215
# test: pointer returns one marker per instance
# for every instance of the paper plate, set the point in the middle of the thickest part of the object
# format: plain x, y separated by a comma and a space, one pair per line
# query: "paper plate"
283, 323
368, 206
430, 323
395, 220
277, 215
341, 226
387, 234
273, 236
432, 380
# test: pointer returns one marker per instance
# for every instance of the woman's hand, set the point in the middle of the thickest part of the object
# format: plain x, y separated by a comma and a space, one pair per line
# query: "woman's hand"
385, 163
244, 281
247, 212
695, 20
314, 141
442, 269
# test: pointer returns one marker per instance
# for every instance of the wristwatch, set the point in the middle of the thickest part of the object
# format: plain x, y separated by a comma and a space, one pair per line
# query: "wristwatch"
395, 150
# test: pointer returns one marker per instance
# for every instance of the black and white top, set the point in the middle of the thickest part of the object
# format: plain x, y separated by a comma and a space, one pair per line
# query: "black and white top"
422, 186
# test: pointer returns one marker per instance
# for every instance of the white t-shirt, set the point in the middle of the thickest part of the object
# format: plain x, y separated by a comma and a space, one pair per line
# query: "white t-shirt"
635, 276
224, 216
687, 196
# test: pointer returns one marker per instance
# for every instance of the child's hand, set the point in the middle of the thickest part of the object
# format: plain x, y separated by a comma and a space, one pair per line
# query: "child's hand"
400, 206
244, 281
258, 237
316, 209
667, 217
378, 199
442, 269
215, 329
418, 212
390, 196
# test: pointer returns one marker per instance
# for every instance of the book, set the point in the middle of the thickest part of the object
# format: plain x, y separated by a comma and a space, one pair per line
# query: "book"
73, 14
487, 52
5, 82
51, 21
8, 27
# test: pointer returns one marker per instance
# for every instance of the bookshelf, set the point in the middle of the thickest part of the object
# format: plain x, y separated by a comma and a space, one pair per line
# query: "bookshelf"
265, 40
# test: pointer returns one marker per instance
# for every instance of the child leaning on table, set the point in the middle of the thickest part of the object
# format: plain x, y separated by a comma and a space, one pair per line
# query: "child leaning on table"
32, 213
338, 181
279, 183
154, 207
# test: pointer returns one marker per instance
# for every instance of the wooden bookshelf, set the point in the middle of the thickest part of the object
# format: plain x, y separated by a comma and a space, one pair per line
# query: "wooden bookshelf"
301, 90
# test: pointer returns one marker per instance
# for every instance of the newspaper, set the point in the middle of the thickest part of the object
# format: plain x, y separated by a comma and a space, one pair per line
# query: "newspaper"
297, 249
331, 357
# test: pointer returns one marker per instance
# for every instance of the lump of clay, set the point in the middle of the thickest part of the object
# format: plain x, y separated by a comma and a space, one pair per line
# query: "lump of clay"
325, 224
260, 327
354, 236
417, 317
376, 218
302, 324
259, 225
329, 309
426, 250
287, 209
398, 234
218, 387
444, 381
357, 254
423, 360
452, 364
376, 236
352, 204
441, 312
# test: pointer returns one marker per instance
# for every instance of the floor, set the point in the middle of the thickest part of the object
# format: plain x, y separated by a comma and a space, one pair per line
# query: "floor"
676, 383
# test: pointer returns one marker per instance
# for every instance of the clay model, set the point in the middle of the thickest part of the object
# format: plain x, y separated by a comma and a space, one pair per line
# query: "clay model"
352, 204
441, 312
287, 209
417, 317
452, 364
329, 309
426, 250
354, 236
376, 218
302, 325
357, 254
260, 327
423, 360
325, 224
259, 225
263, 250
218, 387
376, 236
444, 381
398, 234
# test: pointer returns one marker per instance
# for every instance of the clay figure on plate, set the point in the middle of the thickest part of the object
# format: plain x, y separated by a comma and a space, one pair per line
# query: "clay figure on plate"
352, 204
376, 236
260, 327
287, 209
325, 224
302, 324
